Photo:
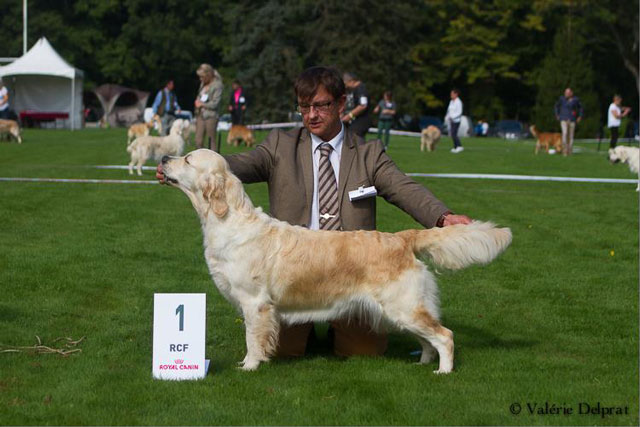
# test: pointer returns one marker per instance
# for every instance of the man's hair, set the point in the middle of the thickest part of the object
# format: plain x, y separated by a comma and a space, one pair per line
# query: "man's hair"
348, 76
456, 90
309, 80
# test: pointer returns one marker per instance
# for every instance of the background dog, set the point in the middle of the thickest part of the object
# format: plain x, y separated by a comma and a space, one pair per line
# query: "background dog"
239, 133
275, 272
628, 155
429, 138
142, 129
146, 147
12, 128
546, 140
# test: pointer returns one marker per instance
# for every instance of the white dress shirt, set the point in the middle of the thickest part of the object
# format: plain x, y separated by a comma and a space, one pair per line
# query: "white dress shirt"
334, 158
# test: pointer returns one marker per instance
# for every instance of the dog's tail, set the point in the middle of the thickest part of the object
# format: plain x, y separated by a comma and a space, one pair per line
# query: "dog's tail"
533, 130
458, 246
131, 145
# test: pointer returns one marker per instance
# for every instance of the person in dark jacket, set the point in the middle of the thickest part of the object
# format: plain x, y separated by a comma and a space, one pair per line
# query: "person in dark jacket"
568, 111
237, 103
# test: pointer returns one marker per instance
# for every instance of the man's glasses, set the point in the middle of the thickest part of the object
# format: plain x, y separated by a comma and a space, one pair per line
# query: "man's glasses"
320, 107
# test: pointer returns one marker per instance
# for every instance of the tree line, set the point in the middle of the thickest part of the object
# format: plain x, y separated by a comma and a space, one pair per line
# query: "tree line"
511, 59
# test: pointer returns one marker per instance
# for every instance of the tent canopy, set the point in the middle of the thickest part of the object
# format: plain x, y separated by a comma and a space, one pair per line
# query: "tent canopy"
41, 80
122, 105
41, 59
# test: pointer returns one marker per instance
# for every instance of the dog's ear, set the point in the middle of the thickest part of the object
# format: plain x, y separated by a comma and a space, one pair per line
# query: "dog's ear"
214, 193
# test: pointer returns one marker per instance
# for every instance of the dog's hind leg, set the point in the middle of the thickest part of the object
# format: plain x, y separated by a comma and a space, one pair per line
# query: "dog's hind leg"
262, 329
431, 334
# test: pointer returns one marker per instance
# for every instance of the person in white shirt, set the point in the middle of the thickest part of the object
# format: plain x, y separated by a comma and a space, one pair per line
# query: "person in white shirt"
453, 117
614, 118
4, 101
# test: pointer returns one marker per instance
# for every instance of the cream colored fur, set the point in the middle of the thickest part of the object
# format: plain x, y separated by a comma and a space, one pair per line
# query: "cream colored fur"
429, 138
278, 273
144, 148
142, 129
11, 127
628, 155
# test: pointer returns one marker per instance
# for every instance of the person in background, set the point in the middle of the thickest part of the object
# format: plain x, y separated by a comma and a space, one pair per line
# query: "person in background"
4, 101
387, 109
481, 128
614, 118
453, 118
206, 105
166, 106
568, 111
356, 114
237, 103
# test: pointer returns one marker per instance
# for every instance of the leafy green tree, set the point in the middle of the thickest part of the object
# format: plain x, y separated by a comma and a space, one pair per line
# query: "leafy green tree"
567, 65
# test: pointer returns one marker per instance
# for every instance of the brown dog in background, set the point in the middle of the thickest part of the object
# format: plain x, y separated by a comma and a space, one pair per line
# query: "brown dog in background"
547, 139
142, 129
239, 133
11, 127
430, 137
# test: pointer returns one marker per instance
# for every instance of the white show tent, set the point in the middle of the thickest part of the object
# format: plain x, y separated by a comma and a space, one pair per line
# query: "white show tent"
42, 81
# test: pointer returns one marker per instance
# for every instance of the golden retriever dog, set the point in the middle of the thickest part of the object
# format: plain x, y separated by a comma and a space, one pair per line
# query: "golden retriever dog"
546, 140
239, 133
628, 155
146, 147
142, 129
12, 128
430, 137
278, 273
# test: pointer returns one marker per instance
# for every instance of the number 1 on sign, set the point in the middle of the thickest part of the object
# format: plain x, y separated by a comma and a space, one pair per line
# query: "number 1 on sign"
180, 310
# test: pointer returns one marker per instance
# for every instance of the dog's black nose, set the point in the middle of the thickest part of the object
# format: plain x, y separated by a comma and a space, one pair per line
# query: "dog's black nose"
165, 159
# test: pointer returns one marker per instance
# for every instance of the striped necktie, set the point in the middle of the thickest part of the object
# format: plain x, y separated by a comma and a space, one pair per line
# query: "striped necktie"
327, 191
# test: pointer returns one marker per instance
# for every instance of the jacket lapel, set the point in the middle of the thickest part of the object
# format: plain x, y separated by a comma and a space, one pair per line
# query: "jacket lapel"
306, 160
346, 159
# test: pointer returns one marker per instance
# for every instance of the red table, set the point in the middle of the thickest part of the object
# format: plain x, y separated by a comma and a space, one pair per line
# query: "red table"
29, 118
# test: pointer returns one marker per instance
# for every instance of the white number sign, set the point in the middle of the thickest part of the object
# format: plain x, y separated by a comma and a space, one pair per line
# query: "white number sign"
179, 322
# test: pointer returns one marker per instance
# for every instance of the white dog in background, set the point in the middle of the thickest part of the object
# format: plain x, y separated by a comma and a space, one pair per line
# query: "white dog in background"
628, 155
146, 147
275, 272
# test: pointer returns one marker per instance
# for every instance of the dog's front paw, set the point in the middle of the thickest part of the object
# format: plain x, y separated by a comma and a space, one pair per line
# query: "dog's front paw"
442, 371
249, 365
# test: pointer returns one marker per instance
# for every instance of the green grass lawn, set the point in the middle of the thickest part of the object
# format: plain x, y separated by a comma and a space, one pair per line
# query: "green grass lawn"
553, 321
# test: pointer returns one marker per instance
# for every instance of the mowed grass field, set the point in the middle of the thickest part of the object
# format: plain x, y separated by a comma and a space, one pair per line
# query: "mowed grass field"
550, 327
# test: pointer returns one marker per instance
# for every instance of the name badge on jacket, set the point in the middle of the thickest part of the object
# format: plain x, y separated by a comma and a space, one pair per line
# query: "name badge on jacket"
362, 193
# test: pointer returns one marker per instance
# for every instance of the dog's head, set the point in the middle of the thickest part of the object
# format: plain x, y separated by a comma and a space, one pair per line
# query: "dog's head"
204, 176
618, 154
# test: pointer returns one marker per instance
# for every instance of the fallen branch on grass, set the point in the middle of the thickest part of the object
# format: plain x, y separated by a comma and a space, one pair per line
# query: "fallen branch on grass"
68, 347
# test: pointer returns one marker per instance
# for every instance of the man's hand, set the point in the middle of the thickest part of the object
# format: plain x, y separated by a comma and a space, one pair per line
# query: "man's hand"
160, 174
452, 219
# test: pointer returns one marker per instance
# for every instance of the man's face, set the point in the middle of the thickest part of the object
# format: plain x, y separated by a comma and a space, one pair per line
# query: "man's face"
617, 100
170, 85
453, 94
568, 93
322, 119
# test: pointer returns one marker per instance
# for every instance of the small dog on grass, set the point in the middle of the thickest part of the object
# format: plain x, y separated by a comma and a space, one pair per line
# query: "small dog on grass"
628, 155
12, 128
546, 140
429, 138
240, 133
146, 147
142, 129
277, 273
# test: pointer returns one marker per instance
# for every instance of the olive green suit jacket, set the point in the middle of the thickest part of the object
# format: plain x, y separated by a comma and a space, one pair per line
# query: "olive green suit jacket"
284, 160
